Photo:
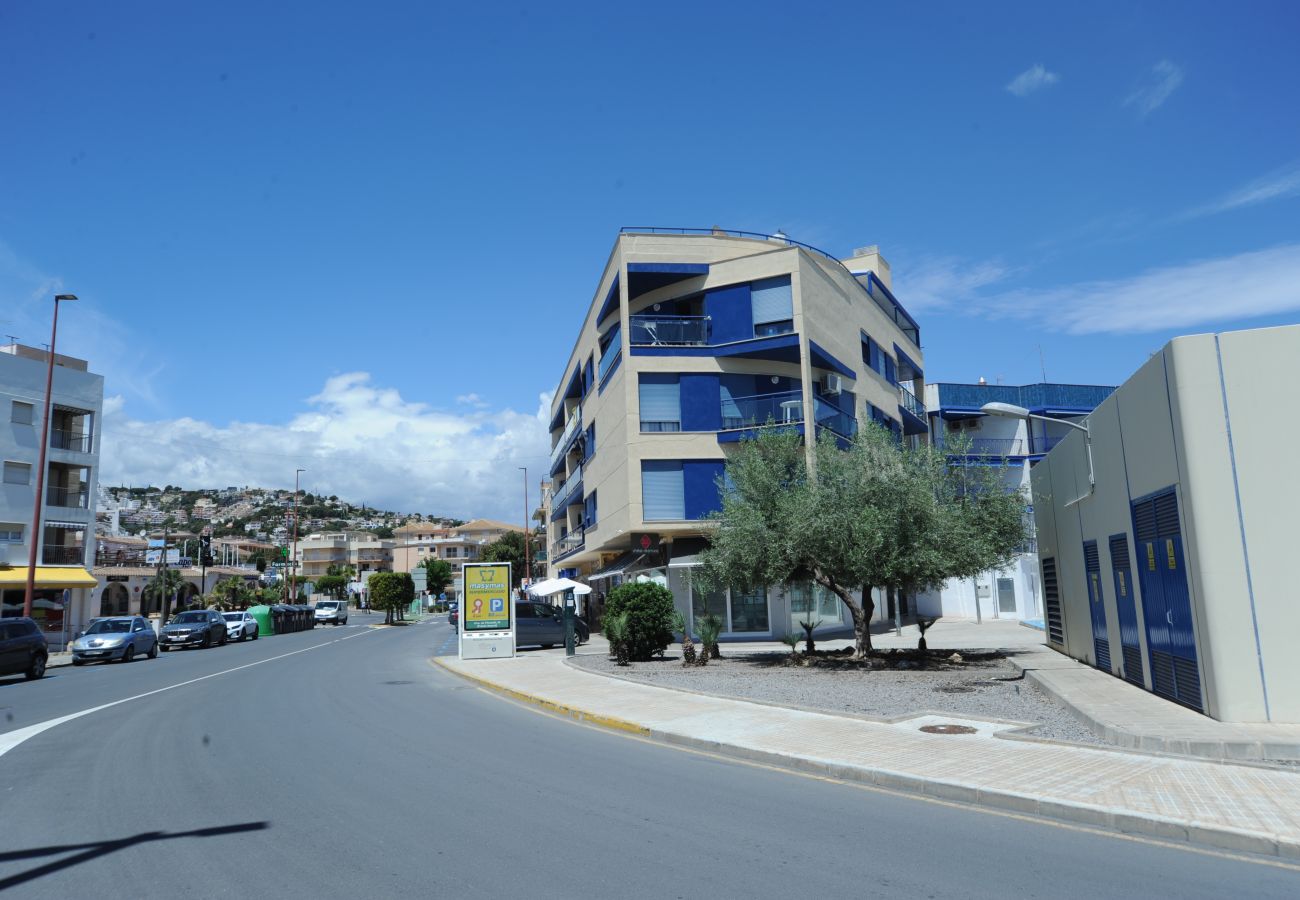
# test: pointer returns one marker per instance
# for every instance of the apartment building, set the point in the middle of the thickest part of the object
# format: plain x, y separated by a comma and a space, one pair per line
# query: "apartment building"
1166, 533
416, 542
359, 549
65, 536
957, 423
694, 340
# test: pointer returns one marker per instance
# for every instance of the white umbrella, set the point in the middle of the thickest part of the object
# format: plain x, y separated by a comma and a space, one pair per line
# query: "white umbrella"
557, 585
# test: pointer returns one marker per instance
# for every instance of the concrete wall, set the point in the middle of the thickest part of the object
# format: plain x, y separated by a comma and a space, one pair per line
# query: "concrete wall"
1198, 417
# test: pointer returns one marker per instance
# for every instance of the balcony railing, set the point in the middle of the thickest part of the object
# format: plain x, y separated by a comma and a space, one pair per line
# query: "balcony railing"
570, 543
785, 408
561, 495
908, 401
566, 439
835, 419
61, 439
679, 331
56, 555
67, 497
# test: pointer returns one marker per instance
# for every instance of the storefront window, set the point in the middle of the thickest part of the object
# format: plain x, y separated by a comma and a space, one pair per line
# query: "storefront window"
749, 610
705, 602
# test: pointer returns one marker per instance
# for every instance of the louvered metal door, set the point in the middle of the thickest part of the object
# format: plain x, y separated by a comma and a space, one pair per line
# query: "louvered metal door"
1166, 601
1121, 564
1052, 600
1096, 606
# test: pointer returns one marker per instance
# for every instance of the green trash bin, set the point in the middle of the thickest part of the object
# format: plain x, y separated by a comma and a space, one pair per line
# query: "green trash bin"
263, 616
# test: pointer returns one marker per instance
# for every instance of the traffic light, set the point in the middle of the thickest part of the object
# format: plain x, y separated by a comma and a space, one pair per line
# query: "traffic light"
205, 549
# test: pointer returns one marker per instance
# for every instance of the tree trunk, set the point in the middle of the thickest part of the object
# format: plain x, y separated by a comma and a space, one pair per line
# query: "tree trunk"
861, 621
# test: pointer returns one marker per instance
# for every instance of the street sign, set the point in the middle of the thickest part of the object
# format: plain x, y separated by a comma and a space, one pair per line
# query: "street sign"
487, 614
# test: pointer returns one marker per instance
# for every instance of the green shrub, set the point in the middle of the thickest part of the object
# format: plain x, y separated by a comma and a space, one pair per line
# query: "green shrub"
649, 612
392, 592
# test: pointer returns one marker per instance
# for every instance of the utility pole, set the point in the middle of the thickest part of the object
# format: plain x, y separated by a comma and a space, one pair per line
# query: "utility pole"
164, 598
293, 563
528, 568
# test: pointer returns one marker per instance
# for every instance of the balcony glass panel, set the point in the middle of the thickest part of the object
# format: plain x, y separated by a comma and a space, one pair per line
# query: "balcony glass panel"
909, 402
835, 419
67, 498
570, 543
684, 331
785, 408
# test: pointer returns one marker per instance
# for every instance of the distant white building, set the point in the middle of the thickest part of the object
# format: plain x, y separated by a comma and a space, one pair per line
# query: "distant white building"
1015, 445
65, 536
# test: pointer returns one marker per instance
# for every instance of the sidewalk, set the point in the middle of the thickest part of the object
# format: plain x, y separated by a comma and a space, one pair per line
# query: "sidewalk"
1234, 806
1123, 713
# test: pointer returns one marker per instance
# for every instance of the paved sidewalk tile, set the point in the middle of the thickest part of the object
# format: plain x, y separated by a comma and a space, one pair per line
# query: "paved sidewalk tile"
1239, 806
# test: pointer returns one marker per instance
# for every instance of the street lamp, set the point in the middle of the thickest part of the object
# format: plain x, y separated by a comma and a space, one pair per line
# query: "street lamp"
528, 568
1011, 411
293, 563
40, 466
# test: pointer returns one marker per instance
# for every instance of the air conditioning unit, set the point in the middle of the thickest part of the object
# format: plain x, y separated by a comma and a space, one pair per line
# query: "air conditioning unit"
832, 384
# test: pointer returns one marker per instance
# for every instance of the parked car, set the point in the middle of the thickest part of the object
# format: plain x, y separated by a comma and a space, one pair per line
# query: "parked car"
22, 648
331, 612
542, 624
196, 628
241, 626
453, 616
115, 637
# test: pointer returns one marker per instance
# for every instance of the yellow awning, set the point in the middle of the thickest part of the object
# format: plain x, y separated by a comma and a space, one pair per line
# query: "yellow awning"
48, 577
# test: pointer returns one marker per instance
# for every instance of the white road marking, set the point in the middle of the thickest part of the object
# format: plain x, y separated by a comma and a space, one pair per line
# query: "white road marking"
12, 739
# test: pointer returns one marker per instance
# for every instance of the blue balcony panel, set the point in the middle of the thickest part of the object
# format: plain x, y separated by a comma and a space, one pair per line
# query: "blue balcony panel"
611, 301
782, 348
963, 400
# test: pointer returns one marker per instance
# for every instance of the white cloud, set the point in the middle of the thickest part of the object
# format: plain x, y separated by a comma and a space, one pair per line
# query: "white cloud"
944, 282
1278, 185
1163, 79
361, 441
1229, 288
473, 400
1032, 79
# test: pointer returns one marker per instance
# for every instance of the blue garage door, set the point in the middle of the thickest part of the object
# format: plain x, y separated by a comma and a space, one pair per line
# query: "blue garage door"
1166, 601
1121, 566
1096, 605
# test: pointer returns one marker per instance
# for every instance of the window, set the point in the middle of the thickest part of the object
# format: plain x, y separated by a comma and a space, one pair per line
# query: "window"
877, 360
22, 413
589, 443
589, 511
452, 552
660, 402
663, 490
18, 473
772, 303
588, 375
11, 532
749, 610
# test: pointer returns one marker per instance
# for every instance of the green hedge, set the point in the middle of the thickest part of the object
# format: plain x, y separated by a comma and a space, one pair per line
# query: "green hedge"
649, 612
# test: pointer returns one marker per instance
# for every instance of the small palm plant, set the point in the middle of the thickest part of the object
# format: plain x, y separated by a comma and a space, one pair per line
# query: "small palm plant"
688, 645
791, 640
809, 646
616, 634
709, 627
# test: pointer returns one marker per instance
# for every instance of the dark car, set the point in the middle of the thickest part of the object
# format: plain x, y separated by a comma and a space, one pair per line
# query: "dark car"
540, 623
196, 628
22, 648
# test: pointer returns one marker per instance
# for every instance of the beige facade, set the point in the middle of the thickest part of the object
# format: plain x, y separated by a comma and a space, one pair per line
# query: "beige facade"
458, 545
1173, 571
359, 549
691, 343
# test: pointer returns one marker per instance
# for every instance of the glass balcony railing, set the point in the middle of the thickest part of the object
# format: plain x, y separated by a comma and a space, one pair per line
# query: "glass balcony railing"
567, 438
908, 401
1010, 446
68, 498
561, 496
785, 408
570, 543
835, 419
672, 331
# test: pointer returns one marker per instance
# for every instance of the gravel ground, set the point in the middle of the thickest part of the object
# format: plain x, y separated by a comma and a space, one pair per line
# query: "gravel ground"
986, 686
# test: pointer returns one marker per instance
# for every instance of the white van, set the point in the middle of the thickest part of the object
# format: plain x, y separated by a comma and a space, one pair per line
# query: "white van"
331, 612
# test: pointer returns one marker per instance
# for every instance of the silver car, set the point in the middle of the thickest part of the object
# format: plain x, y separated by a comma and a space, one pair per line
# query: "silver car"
116, 637
241, 626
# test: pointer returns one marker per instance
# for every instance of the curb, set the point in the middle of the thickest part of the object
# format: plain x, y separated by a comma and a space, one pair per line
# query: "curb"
1123, 821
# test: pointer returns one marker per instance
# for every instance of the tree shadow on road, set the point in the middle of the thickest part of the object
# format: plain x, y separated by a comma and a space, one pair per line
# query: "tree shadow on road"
95, 849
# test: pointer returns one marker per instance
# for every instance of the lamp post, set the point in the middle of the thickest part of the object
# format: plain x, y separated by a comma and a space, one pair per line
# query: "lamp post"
528, 569
293, 563
40, 466
1011, 411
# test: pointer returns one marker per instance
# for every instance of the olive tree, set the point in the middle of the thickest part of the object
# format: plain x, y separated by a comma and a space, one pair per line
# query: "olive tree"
876, 514
392, 592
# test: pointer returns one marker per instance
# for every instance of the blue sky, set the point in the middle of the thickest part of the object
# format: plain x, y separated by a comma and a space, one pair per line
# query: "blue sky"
359, 238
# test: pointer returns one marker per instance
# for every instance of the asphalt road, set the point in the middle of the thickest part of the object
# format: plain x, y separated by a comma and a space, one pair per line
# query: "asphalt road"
353, 767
